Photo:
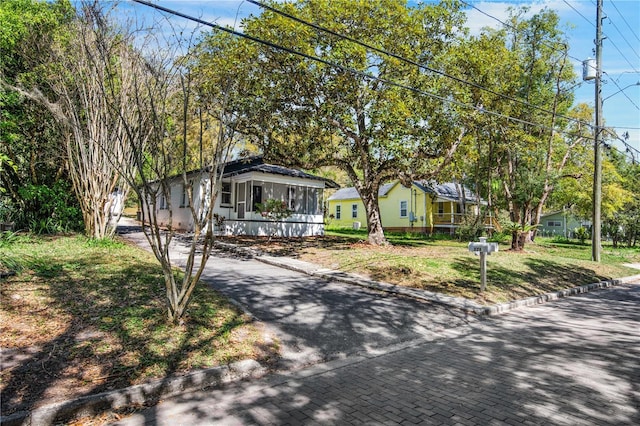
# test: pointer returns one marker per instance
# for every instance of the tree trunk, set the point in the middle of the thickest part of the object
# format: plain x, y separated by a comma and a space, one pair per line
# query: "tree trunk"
369, 196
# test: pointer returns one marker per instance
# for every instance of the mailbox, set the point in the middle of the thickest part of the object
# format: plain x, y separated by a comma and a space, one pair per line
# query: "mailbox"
483, 246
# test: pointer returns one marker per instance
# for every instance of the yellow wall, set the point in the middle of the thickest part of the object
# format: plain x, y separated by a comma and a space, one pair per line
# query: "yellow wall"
345, 214
423, 205
389, 210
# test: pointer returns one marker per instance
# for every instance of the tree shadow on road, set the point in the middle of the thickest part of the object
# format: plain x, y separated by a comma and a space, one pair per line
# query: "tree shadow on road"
574, 361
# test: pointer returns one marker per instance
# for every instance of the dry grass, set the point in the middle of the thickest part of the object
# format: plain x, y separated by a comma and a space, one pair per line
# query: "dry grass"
447, 266
79, 318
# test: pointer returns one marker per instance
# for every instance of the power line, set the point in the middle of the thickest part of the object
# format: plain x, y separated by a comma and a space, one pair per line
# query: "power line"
625, 20
408, 61
579, 13
610, 40
621, 90
352, 70
623, 37
514, 28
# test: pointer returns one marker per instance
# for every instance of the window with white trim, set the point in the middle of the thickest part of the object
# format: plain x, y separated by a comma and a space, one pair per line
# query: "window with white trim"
554, 223
225, 194
404, 208
354, 211
338, 211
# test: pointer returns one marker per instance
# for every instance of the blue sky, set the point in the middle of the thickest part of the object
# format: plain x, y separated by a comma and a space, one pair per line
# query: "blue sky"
620, 53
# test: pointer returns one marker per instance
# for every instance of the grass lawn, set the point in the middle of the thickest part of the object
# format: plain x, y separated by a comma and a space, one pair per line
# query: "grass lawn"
80, 317
446, 266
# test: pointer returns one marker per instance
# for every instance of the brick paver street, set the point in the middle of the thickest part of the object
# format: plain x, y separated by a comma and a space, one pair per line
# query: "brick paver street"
575, 361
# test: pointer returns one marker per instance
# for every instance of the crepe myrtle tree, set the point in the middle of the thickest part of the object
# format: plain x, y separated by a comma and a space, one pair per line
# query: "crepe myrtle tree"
172, 122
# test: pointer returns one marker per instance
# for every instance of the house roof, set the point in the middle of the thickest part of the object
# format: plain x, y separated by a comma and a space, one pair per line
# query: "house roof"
256, 164
352, 194
444, 191
447, 191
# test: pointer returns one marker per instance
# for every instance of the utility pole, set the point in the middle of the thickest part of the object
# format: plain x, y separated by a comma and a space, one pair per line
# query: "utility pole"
597, 162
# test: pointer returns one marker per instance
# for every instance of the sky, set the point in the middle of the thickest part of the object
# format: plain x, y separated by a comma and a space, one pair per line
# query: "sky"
620, 50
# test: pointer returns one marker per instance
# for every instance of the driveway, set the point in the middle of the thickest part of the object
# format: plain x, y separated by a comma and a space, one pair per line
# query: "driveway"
315, 319
575, 361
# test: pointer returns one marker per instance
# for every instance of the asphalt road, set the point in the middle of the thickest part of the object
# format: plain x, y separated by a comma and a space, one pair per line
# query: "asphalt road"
314, 319
320, 320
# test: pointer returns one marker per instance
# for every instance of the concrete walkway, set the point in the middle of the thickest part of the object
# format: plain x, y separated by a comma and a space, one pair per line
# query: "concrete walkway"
575, 361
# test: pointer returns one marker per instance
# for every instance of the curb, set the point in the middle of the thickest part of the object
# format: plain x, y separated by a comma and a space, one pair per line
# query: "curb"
428, 296
139, 395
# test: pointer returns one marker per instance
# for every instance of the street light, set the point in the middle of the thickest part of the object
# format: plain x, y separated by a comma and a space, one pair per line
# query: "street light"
624, 88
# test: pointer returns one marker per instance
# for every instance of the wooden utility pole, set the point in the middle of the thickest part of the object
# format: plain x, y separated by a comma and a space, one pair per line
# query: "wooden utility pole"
597, 169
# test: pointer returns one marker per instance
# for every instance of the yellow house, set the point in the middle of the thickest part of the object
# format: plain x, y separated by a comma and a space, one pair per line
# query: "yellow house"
424, 207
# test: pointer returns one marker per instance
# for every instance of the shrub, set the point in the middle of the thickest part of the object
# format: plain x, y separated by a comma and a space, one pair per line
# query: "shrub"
47, 210
581, 234
499, 237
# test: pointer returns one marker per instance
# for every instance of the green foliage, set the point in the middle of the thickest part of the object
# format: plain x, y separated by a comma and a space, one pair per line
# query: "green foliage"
469, 230
499, 237
274, 210
30, 140
46, 210
8, 238
560, 239
581, 233
311, 114
105, 243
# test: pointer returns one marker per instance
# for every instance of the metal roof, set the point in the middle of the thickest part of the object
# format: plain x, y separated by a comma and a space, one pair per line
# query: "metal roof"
257, 164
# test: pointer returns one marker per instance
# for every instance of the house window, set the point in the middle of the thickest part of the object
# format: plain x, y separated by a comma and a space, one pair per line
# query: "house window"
256, 196
162, 202
184, 199
440, 208
354, 211
554, 223
403, 208
291, 198
338, 212
226, 193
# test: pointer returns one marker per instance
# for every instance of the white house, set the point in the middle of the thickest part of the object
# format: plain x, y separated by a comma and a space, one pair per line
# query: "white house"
244, 184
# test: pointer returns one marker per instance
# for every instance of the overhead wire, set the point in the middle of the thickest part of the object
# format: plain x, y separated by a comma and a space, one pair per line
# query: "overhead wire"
357, 72
625, 20
580, 13
406, 60
347, 69
623, 37
615, 46
505, 24
621, 90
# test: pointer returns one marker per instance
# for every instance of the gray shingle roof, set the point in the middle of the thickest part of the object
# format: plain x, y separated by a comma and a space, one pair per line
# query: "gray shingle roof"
237, 168
445, 191
352, 194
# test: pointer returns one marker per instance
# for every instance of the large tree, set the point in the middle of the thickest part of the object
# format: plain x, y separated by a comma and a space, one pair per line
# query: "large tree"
88, 96
529, 134
357, 115
34, 179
